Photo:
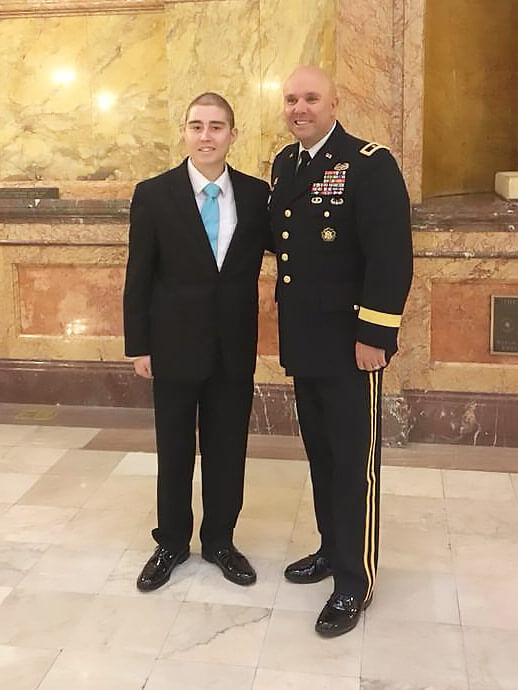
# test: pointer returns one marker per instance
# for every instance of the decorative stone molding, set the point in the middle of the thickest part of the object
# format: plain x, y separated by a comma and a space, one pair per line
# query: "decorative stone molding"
32, 8
45, 8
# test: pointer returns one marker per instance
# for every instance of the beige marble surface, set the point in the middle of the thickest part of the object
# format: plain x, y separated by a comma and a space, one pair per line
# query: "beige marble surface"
417, 370
413, 96
84, 97
200, 38
15, 260
102, 97
291, 33
28, 8
369, 81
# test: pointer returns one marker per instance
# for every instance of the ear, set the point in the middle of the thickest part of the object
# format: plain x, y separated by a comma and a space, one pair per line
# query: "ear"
233, 134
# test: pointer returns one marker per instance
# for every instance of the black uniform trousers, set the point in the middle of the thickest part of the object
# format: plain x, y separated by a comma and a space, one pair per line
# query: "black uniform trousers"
340, 421
223, 406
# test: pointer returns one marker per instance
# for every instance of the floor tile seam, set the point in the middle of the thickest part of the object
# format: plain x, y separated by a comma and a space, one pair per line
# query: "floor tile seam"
26, 573
59, 652
158, 654
293, 523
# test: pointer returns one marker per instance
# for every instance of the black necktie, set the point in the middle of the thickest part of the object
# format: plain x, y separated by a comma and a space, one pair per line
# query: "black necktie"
304, 161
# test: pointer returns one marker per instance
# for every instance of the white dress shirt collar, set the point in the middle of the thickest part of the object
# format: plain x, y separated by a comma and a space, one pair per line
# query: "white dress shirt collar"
316, 147
199, 181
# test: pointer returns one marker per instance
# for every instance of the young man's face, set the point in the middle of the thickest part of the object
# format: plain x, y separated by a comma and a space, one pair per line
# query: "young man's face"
309, 106
208, 135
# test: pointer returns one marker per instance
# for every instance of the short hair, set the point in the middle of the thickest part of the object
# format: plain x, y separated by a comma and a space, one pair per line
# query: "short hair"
211, 98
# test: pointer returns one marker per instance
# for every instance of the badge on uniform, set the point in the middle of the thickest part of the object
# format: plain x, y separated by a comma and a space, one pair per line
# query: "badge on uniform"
332, 185
316, 199
328, 234
341, 166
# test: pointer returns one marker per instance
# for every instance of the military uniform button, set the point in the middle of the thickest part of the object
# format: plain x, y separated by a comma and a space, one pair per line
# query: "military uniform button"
284, 257
285, 235
287, 279
326, 214
287, 213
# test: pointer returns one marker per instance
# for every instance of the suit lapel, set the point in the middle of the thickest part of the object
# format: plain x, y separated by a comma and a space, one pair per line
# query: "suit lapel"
241, 206
285, 175
183, 202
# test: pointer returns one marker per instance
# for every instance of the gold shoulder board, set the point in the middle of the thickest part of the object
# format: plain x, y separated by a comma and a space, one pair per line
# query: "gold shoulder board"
371, 148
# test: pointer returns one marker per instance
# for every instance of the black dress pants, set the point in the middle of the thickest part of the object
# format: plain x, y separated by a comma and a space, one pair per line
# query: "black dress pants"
340, 422
223, 406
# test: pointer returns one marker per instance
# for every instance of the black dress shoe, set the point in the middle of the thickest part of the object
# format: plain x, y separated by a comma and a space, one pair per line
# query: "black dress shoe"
234, 566
158, 569
312, 568
340, 615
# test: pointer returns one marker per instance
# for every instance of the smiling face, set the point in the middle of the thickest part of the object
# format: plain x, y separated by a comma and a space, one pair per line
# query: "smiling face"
309, 105
208, 136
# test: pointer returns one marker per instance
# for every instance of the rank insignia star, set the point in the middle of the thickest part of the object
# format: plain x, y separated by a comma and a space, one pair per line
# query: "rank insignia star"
328, 234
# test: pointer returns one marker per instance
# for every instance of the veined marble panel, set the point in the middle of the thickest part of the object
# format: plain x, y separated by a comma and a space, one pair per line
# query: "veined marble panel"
214, 46
130, 113
45, 103
70, 301
85, 97
292, 33
13, 8
419, 371
18, 274
380, 77
461, 321
413, 96
368, 80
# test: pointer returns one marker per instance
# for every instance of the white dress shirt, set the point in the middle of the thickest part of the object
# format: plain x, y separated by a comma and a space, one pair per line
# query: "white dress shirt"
316, 147
226, 202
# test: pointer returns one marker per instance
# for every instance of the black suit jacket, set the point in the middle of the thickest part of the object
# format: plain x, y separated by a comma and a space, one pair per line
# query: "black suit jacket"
177, 306
344, 253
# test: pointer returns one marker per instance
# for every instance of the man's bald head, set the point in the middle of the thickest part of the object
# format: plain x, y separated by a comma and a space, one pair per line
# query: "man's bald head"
310, 102
311, 75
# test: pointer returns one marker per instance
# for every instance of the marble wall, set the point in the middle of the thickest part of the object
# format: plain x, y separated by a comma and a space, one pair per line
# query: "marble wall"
92, 96
84, 97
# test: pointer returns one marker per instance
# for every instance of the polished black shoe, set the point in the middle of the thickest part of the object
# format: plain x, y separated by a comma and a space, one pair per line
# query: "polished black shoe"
158, 569
312, 568
234, 566
340, 615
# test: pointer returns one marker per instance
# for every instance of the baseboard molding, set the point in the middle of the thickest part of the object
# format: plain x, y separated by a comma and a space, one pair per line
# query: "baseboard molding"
476, 419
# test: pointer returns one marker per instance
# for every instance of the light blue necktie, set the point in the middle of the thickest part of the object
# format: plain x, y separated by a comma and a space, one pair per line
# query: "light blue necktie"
210, 215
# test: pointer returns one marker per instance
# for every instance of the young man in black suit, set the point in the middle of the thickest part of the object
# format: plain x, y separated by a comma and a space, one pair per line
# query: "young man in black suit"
341, 223
196, 242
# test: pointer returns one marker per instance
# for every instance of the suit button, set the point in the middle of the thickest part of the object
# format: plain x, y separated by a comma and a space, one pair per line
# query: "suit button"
326, 214
285, 235
287, 279
284, 257
287, 213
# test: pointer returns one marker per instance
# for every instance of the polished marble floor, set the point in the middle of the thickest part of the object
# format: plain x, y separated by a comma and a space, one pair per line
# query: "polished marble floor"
75, 516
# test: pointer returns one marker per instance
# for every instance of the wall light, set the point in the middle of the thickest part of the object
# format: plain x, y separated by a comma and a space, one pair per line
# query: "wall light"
105, 100
63, 76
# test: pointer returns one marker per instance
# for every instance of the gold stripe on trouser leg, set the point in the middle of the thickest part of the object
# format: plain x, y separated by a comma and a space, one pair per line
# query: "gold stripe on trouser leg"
369, 561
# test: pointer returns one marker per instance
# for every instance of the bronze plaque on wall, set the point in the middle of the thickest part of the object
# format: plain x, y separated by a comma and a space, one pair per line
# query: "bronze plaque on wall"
504, 325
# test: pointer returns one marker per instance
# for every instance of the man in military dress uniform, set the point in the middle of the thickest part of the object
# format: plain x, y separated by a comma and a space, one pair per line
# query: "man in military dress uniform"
341, 223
